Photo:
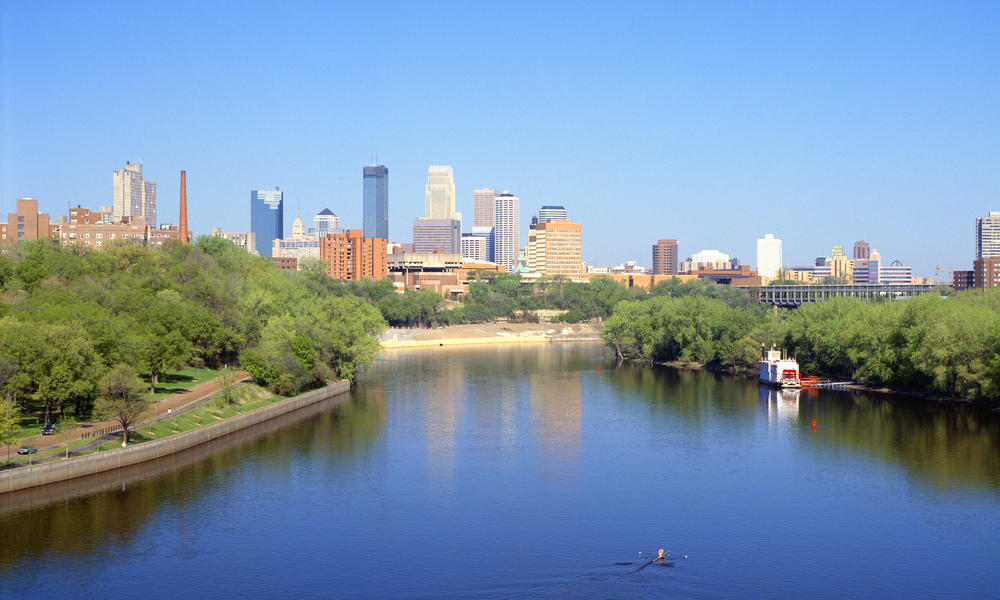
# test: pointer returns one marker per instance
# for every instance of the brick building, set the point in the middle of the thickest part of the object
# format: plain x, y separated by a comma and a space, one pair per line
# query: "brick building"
26, 223
351, 256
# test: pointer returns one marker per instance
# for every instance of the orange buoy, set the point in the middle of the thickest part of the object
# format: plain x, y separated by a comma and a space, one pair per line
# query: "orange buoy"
814, 423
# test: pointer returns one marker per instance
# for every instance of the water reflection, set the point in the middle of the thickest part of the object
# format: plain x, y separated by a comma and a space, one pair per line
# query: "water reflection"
532, 455
781, 405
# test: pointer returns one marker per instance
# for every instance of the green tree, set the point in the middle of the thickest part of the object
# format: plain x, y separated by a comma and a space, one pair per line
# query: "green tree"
10, 425
122, 397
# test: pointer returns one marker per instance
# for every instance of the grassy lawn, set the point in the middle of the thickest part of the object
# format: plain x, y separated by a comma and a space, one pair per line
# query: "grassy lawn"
251, 397
179, 381
170, 384
203, 415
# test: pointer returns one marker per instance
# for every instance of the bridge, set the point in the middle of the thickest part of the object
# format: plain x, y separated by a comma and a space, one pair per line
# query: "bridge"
796, 295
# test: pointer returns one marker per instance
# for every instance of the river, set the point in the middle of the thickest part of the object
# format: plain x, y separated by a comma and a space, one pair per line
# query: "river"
544, 471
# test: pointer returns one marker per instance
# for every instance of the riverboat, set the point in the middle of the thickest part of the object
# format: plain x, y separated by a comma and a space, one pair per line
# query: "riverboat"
776, 369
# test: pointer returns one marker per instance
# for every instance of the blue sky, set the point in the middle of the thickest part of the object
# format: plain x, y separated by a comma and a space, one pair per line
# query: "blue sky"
709, 122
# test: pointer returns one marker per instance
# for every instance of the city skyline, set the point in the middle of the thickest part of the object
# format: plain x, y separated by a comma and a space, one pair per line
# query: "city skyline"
820, 124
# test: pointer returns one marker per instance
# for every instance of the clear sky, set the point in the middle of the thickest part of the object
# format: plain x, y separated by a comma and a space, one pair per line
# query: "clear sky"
713, 123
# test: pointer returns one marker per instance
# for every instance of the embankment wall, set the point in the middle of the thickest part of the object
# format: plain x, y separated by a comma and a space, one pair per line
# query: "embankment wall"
21, 478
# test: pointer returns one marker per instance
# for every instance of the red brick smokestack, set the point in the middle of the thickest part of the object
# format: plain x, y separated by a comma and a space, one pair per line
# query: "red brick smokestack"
184, 209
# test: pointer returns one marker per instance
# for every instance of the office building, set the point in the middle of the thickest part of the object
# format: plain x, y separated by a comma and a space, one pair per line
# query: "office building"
244, 240
26, 223
988, 236
895, 274
431, 234
556, 248
861, 250
482, 250
134, 197
266, 219
474, 248
351, 256
508, 226
548, 213
376, 201
768, 256
298, 246
439, 195
483, 205
325, 222
706, 258
665, 257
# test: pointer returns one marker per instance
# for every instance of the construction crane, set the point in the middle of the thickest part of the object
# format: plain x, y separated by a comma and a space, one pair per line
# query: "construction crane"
938, 270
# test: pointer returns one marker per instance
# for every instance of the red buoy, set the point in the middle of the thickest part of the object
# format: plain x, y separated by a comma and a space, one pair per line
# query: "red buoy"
814, 423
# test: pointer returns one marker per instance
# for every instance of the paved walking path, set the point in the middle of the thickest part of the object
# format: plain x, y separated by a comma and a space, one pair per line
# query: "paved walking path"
172, 405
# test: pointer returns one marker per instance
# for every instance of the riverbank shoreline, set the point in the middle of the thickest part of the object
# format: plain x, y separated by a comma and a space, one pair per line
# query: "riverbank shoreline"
856, 387
491, 333
25, 477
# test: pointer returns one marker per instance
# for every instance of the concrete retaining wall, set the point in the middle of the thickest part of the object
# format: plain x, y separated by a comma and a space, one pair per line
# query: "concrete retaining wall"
81, 466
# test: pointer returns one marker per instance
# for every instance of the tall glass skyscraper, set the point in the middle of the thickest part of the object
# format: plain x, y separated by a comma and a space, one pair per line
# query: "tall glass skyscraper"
376, 202
266, 219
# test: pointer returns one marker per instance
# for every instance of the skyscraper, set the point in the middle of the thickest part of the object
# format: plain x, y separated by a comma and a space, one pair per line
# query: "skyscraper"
988, 236
665, 257
325, 222
431, 234
556, 248
483, 205
768, 256
439, 195
376, 202
861, 250
551, 212
508, 226
134, 197
266, 219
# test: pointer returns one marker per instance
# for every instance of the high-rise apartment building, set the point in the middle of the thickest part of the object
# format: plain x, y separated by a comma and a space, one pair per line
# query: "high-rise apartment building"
134, 197
351, 255
861, 250
768, 256
325, 222
483, 206
439, 195
556, 248
988, 236
507, 232
665, 257
266, 219
548, 213
376, 201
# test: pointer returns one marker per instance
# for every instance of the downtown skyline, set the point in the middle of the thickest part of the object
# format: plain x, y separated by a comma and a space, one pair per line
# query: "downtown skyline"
712, 124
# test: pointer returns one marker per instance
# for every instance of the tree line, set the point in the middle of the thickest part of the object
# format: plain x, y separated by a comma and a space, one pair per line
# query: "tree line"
69, 316
942, 345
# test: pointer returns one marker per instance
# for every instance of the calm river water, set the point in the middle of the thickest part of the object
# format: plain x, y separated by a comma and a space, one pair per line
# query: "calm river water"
545, 471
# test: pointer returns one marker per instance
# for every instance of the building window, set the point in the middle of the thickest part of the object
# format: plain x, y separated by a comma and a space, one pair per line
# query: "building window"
20, 219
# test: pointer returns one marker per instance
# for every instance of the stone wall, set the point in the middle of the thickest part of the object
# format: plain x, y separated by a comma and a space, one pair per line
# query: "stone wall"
81, 466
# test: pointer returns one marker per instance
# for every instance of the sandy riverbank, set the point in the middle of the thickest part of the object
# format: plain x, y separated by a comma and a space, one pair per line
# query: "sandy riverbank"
492, 333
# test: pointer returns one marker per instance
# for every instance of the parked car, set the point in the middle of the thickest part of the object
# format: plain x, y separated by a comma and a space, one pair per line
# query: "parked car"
50, 429
27, 450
